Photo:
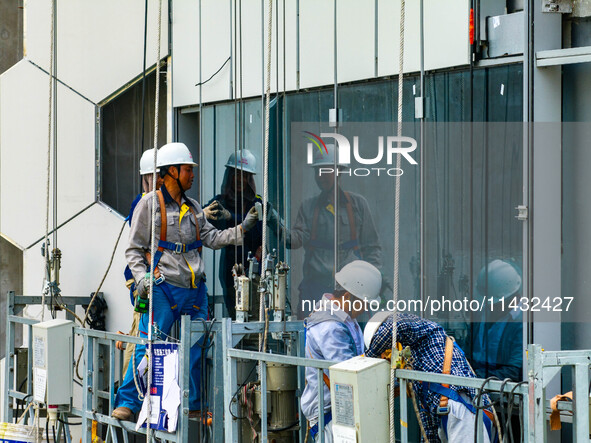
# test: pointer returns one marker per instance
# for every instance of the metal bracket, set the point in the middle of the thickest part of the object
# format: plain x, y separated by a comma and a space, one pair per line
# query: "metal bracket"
557, 6
522, 213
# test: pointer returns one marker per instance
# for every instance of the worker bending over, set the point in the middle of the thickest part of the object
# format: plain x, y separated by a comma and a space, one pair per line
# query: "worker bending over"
447, 411
333, 334
181, 288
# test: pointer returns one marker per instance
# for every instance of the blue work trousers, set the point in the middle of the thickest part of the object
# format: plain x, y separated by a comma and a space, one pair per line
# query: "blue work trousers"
188, 301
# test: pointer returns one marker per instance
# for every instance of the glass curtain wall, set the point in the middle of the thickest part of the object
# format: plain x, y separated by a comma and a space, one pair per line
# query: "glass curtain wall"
472, 160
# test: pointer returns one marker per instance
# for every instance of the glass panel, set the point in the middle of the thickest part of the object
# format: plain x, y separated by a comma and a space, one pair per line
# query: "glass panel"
473, 181
121, 140
473, 241
11, 33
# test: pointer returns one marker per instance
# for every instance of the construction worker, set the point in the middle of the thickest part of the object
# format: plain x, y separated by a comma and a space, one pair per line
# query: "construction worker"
181, 288
314, 230
228, 209
147, 178
498, 337
332, 333
447, 412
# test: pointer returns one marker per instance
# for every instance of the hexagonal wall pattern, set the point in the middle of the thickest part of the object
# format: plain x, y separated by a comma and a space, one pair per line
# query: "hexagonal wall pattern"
86, 244
100, 44
24, 102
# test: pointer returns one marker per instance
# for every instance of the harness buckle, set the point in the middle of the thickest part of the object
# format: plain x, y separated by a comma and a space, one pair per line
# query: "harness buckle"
179, 248
159, 280
442, 410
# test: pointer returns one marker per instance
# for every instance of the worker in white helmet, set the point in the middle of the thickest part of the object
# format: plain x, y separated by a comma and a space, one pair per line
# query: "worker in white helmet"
447, 411
498, 337
181, 287
238, 196
147, 178
332, 333
314, 230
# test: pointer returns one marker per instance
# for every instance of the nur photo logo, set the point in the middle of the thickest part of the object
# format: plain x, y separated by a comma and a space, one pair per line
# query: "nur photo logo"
328, 149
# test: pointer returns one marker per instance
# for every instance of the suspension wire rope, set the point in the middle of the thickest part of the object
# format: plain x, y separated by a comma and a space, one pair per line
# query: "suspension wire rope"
335, 191
46, 271
96, 293
262, 308
284, 132
153, 228
237, 123
397, 225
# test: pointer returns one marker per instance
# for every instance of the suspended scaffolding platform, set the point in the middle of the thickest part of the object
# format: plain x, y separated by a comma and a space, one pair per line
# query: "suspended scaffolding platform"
102, 373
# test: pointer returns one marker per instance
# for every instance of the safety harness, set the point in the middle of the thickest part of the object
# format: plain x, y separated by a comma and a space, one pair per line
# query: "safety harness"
353, 243
176, 248
446, 392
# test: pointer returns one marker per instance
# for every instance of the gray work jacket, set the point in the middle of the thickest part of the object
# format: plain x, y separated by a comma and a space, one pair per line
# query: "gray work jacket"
319, 257
183, 270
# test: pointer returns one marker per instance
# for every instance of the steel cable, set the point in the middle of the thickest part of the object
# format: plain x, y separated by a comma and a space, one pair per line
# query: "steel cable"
262, 311
397, 226
46, 271
153, 239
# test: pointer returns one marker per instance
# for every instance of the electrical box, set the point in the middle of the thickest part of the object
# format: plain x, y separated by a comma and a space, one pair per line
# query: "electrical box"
359, 399
52, 362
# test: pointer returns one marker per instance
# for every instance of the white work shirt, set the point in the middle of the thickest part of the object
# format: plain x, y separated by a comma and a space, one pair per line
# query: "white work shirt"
336, 337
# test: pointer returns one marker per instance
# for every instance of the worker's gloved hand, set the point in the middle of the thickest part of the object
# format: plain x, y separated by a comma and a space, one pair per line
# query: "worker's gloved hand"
252, 218
274, 220
142, 287
216, 211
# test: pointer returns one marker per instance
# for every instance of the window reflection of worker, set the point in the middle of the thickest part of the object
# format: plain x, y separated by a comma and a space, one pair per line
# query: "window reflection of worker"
146, 173
178, 259
498, 338
332, 333
314, 230
228, 209
429, 345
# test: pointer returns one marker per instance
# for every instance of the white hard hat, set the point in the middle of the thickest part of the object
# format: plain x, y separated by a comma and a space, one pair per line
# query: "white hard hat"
373, 324
497, 281
147, 162
244, 161
361, 279
175, 154
323, 158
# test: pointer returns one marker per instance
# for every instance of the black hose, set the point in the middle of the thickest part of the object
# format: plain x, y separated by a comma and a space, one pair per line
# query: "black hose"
510, 409
236, 393
476, 405
502, 417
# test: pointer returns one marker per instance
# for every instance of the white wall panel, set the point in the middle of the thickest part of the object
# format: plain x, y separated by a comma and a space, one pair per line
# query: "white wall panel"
86, 243
389, 37
216, 35
356, 39
290, 45
185, 50
252, 49
24, 93
100, 43
446, 33
316, 43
